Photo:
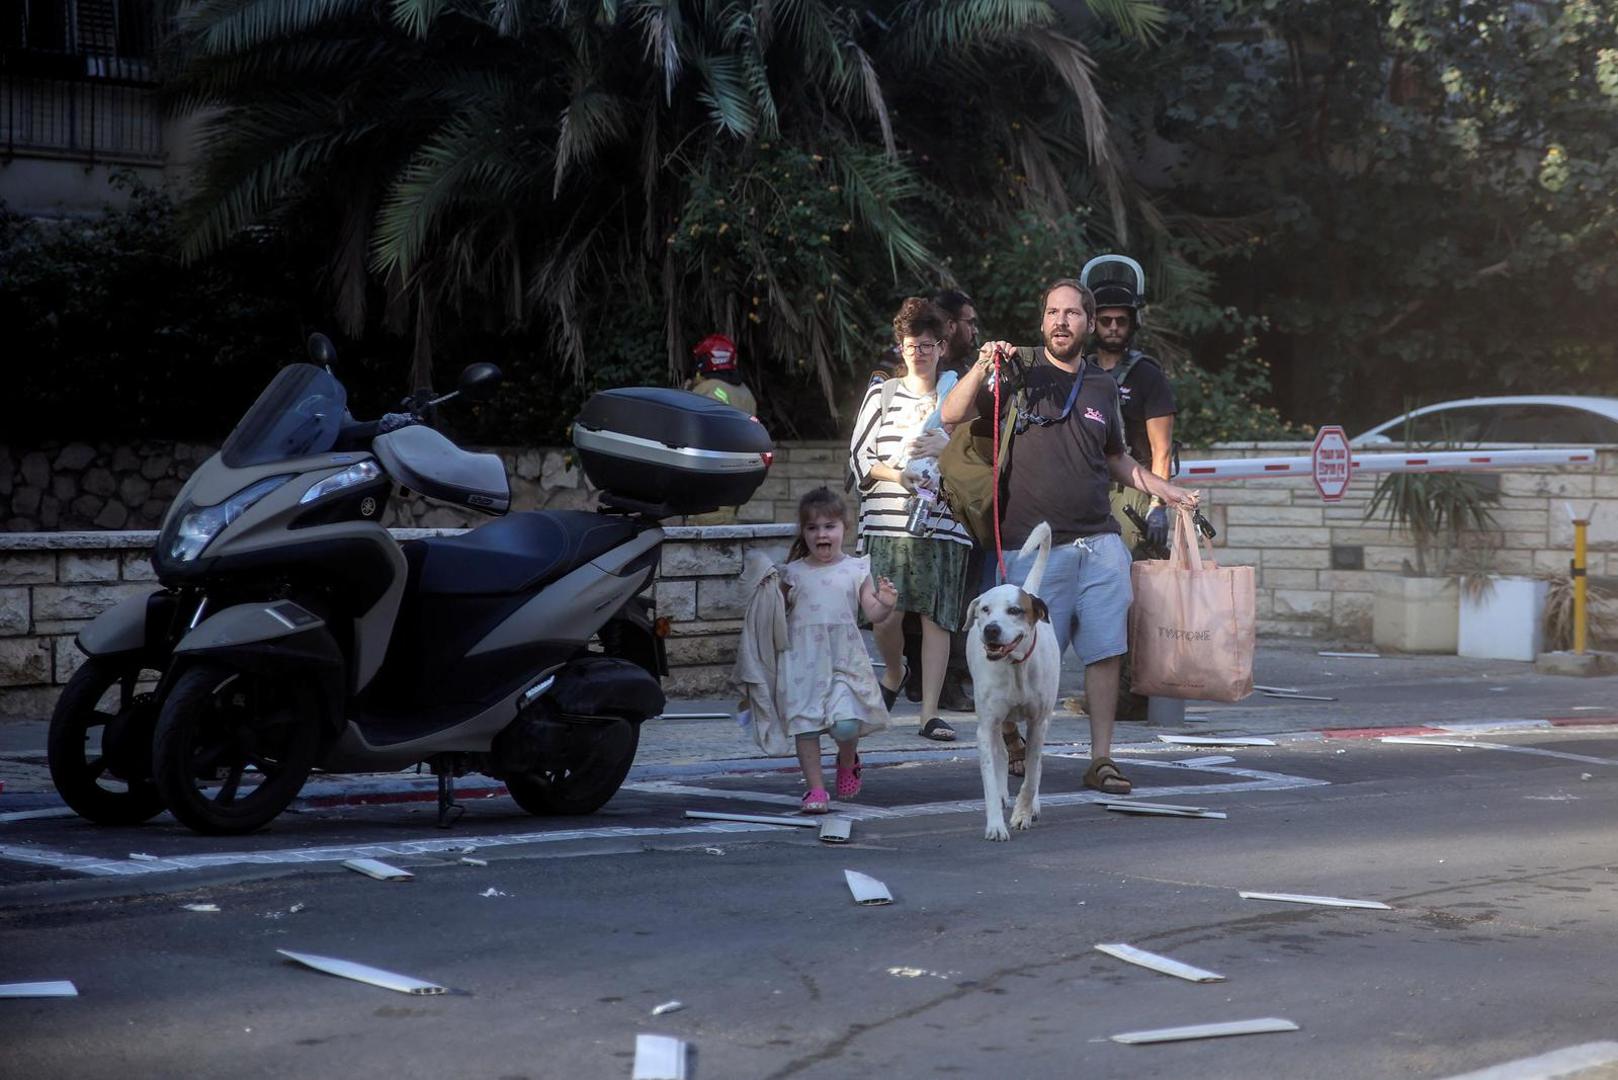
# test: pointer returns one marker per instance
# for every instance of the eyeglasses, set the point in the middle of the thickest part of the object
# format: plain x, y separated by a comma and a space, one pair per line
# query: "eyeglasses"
1113, 320
911, 348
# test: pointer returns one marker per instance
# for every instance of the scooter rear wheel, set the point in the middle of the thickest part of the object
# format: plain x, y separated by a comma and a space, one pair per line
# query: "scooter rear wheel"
100, 744
584, 783
233, 748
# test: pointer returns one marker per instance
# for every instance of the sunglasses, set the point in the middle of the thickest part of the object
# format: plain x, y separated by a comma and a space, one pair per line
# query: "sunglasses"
1113, 320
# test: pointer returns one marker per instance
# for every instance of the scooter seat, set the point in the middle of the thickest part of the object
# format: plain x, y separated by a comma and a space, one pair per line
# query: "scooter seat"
517, 553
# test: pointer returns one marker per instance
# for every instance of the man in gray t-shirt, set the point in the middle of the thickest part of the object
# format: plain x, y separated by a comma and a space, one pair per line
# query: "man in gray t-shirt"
1061, 464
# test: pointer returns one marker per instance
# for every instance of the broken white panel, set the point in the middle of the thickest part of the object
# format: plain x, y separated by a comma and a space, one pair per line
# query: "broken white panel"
1206, 1031
668, 1007
347, 969
661, 1057
378, 869
470, 861
1568, 1061
755, 819
835, 830
1131, 955
1124, 806
200, 907
1323, 901
54, 988
1198, 762
1215, 740
867, 889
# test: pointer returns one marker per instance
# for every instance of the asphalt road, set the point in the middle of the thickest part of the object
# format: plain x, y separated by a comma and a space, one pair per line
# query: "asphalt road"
1499, 864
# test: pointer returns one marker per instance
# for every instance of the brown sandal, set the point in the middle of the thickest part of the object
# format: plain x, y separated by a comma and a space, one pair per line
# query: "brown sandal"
1016, 751
1104, 776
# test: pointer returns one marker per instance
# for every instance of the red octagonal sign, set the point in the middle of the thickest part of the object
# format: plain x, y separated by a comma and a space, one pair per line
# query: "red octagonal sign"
1333, 464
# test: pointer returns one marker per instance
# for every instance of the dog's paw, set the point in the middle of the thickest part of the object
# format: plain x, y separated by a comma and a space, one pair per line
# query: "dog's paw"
996, 832
1023, 818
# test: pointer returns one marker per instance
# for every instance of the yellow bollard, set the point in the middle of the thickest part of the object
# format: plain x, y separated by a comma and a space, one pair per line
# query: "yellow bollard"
1581, 597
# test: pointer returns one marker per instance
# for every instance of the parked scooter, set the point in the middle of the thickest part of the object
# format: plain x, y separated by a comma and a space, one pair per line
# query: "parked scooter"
294, 632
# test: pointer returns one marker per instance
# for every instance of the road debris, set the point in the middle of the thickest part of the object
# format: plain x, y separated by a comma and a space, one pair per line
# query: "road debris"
347, 969
1131, 955
200, 907
295, 908
1206, 1031
492, 891
1587, 776
141, 856
668, 1007
1128, 806
468, 860
379, 870
759, 819
662, 1057
867, 889
57, 988
916, 973
1352, 655
714, 850
1324, 901
1197, 762
1295, 696
1275, 689
1215, 740
835, 830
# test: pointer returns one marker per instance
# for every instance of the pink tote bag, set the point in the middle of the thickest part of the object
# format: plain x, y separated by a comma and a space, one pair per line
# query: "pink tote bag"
1194, 623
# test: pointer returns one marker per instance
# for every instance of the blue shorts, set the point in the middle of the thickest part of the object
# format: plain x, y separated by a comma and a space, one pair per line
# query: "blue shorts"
1086, 588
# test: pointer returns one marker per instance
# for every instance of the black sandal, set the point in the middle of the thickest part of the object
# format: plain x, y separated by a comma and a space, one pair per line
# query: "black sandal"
891, 696
938, 731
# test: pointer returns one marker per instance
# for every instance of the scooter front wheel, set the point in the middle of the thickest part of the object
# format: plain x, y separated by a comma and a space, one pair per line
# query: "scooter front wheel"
100, 744
233, 747
591, 775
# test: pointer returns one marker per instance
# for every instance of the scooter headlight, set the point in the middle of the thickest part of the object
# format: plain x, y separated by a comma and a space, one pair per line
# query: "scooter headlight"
363, 473
200, 524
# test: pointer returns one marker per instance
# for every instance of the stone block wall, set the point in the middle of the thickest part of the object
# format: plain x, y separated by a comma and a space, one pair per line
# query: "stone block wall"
76, 486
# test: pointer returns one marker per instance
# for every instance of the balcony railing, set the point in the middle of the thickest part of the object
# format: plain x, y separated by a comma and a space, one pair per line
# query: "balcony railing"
77, 79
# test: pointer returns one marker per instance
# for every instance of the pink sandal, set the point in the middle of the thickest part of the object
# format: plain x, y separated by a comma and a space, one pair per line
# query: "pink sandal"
848, 780
816, 801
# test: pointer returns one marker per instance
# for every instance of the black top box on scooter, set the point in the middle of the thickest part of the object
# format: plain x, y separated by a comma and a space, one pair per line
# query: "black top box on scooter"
669, 452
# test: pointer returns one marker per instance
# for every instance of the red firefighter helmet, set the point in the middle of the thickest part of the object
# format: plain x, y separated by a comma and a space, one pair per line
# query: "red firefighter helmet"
716, 352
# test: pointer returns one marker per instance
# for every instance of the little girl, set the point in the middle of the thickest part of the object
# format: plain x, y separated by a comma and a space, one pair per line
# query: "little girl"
827, 683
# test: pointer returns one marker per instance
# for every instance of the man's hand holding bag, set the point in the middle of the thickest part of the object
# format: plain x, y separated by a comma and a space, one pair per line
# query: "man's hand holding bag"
1194, 625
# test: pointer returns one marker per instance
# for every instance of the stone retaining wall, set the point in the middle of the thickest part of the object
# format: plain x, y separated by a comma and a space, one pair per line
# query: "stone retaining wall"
1318, 564
77, 486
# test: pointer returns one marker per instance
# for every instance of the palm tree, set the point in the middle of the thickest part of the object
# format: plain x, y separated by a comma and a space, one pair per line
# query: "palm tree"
756, 166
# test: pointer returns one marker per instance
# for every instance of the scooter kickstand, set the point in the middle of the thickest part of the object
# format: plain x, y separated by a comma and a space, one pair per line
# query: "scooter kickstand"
449, 811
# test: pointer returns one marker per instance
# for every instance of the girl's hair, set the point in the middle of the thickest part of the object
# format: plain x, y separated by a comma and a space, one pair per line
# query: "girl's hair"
919, 316
822, 502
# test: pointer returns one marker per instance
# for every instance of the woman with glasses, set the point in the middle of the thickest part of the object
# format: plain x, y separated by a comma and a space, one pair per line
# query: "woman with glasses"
905, 527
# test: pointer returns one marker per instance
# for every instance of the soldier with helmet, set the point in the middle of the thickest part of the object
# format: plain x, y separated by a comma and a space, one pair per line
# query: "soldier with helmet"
1145, 397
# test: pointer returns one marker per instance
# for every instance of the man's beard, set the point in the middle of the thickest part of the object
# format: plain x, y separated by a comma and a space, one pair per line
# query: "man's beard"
1113, 343
1068, 351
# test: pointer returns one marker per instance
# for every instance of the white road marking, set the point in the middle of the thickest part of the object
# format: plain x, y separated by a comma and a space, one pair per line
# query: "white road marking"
27, 815
1564, 1062
1241, 780
1427, 740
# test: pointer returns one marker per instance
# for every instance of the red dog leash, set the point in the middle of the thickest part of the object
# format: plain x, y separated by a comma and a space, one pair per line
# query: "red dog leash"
994, 467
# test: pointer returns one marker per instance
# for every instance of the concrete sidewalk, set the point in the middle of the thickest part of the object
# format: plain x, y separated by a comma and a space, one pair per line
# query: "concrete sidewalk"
1380, 693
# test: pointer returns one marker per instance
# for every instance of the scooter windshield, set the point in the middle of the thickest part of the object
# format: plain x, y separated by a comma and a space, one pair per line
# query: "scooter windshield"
298, 414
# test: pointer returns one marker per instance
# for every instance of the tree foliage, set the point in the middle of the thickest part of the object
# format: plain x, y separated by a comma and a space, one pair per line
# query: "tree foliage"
762, 168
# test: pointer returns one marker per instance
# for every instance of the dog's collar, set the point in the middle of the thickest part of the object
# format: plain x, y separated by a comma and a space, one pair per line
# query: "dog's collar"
1032, 641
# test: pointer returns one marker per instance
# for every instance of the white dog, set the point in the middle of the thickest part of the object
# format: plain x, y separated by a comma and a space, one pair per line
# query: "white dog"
1012, 652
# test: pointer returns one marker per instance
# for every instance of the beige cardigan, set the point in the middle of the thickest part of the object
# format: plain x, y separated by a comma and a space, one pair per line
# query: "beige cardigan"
764, 638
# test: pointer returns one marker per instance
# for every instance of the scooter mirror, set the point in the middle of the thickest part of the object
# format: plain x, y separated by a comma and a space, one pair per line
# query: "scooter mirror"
479, 381
321, 350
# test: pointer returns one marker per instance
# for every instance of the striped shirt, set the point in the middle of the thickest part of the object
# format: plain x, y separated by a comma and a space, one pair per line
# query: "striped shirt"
882, 502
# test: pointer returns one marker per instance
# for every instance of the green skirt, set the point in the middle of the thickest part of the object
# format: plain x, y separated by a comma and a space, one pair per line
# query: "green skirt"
929, 574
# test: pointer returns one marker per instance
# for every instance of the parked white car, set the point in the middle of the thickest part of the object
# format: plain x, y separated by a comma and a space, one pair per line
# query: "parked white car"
1528, 418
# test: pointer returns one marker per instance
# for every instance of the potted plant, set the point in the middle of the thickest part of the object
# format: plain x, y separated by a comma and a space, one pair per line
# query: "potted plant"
1448, 518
